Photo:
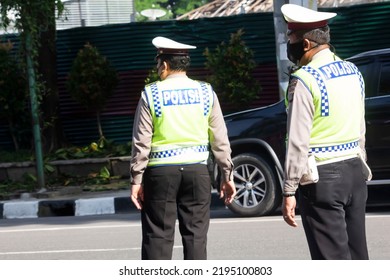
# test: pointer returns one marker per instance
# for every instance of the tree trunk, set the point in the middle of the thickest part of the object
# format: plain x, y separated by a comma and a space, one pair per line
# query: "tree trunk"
13, 136
53, 137
99, 124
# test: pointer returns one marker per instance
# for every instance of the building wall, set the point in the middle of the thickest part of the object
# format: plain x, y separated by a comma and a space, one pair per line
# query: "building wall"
96, 12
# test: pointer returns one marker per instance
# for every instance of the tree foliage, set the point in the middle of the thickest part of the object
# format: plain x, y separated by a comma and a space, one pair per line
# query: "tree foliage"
13, 95
35, 20
232, 65
29, 16
92, 80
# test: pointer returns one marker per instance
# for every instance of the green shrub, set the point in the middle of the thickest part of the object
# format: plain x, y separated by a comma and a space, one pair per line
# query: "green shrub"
231, 65
92, 81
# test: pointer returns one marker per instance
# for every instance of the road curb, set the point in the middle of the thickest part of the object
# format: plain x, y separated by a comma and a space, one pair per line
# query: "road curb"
75, 207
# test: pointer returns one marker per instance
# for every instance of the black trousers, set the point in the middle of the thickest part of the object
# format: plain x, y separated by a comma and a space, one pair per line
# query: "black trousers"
333, 212
171, 192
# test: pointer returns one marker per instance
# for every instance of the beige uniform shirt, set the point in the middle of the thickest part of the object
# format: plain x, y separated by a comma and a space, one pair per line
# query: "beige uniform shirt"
299, 122
143, 132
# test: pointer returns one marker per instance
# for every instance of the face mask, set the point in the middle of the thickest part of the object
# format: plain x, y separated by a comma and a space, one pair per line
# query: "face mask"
295, 51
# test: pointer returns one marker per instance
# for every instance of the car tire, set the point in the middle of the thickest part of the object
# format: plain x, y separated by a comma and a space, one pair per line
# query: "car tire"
256, 186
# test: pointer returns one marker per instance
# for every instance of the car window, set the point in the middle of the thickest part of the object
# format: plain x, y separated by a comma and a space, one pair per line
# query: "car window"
384, 81
364, 68
367, 68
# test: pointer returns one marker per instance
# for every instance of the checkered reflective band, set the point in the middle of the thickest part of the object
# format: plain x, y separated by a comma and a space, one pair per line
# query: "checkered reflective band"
361, 79
156, 100
179, 152
206, 98
323, 90
335, 148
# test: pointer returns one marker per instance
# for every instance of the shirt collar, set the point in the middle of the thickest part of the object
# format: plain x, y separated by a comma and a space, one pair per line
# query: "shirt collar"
177, 75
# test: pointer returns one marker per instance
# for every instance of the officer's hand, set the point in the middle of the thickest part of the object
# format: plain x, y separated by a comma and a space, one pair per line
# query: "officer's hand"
288, 210
228, 190
137, 195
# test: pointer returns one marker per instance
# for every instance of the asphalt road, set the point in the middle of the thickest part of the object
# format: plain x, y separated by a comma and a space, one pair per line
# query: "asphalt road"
118, 237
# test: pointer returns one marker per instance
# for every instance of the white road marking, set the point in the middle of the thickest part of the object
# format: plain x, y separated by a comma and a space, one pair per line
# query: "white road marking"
212, 221
138, 224
75, 251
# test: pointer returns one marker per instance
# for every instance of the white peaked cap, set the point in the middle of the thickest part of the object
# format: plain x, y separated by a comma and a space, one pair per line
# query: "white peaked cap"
168, 46
299, 17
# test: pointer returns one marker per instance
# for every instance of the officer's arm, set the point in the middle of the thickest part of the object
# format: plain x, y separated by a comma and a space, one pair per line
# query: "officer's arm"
141, 141
299, 124
219, 142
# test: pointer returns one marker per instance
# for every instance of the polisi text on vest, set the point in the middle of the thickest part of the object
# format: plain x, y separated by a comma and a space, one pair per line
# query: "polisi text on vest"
338, 69
181, 96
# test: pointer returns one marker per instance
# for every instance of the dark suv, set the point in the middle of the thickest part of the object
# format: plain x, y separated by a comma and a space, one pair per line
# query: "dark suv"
258, 140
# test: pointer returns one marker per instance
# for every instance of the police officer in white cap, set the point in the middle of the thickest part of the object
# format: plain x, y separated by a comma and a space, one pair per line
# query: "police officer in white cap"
325, 102
178, 122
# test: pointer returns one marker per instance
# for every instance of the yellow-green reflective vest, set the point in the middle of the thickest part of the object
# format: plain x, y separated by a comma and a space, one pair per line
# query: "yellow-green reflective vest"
337, 87
180, 109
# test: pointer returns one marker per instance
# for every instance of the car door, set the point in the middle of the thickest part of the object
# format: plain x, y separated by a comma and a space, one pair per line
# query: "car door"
376, 72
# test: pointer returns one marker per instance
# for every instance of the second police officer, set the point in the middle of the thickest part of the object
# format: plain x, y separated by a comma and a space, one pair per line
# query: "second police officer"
178, 122
325, 102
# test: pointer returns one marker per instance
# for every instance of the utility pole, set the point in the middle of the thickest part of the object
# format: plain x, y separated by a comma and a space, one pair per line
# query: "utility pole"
283, 63
35, 113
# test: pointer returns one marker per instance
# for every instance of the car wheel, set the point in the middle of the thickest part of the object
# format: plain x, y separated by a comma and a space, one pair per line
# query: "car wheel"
255, 185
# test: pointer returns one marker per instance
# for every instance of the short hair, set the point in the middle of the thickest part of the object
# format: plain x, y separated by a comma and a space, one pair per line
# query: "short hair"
176, 62
319, 35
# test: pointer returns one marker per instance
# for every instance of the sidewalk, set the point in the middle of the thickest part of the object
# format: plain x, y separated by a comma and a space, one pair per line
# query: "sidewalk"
74, 203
